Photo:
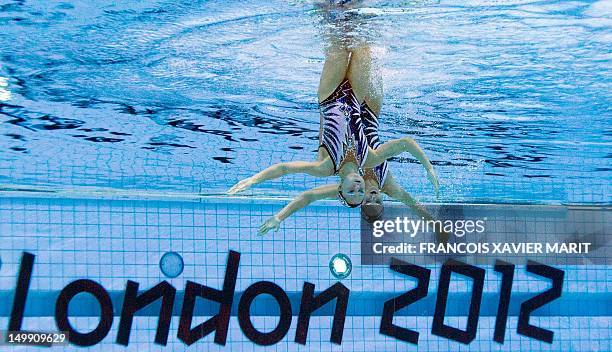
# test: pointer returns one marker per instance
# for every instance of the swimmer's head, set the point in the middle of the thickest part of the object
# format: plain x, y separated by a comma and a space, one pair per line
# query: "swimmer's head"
352, 190
372, 206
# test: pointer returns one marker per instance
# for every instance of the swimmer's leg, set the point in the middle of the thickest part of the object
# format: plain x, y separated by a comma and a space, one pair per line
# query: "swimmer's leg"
336, 64
366, 78
334, 71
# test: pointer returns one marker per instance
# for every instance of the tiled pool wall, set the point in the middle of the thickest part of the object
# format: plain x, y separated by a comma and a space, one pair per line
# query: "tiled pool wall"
112, 241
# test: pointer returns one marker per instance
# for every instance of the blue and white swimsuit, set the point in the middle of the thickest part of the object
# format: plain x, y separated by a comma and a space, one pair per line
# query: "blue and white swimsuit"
370, 122
341, 126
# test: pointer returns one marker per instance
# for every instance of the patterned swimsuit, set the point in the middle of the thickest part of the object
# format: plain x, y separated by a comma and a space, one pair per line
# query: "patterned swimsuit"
341, 126
370, 122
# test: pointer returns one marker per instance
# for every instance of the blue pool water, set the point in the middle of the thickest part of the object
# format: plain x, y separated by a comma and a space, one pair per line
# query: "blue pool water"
510, 99
122, 124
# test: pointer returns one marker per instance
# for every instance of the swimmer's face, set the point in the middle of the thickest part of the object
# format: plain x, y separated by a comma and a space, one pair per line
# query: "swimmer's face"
353, 189
372, 206
373, 197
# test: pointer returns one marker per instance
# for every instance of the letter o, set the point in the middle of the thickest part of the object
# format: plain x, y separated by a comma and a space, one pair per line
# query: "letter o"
106, 309
244, 313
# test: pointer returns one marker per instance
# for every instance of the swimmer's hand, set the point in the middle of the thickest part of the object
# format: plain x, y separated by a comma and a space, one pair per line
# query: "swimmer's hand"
431, 176
271, 223
241, 186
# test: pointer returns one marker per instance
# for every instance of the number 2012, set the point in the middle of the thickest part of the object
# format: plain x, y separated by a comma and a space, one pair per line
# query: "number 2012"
477, 274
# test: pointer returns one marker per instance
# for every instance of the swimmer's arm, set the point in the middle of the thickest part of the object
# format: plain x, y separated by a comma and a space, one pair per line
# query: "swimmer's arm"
315, 168
395, 191
396, 147
300, 202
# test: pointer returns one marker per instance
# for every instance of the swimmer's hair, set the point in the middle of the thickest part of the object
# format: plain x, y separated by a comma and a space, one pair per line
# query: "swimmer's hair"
371, 212
344, 202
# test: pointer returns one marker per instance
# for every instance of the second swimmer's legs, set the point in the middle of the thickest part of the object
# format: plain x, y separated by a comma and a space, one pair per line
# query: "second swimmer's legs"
366, 78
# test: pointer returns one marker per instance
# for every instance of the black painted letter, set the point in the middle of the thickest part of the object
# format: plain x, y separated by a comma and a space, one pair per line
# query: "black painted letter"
507, 271
393, 305
438, 327
133, 302
556, 275
244, 313
219, 322
21, 291
310, 303
106, 312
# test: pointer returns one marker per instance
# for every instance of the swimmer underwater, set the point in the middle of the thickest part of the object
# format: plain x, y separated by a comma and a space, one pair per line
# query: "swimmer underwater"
350, 99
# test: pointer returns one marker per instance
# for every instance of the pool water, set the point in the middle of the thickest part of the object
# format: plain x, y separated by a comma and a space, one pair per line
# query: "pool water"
122, 124
510, 99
